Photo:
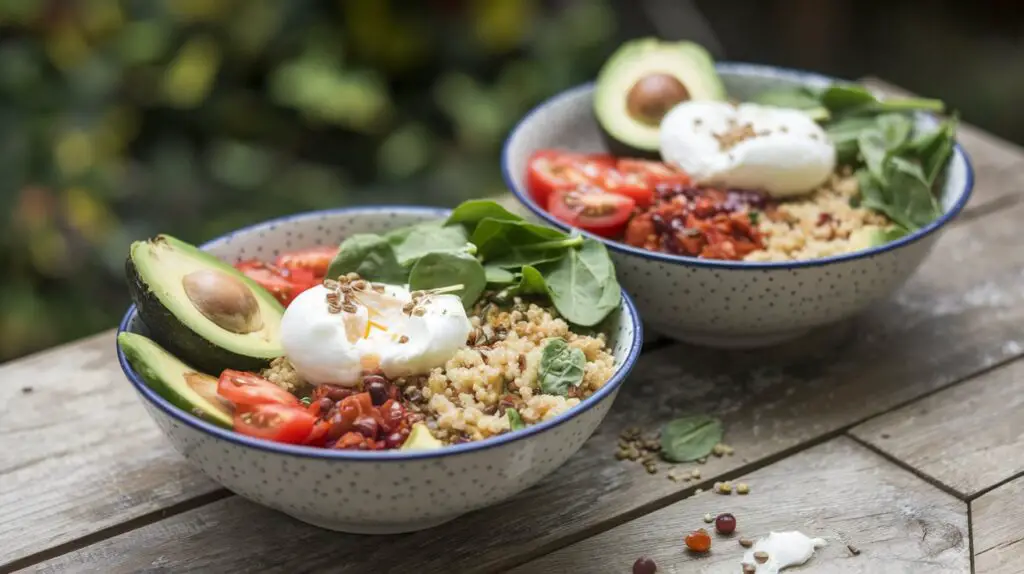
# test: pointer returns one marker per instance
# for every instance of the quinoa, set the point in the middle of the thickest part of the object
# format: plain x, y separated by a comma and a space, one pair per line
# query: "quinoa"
825, 223
467, 398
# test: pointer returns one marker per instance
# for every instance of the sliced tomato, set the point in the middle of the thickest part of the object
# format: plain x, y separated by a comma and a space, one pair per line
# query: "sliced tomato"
653, 172
246, 389
592, 209
633, 185
316, 260
284, 284
550, 170
318, 436
278, 423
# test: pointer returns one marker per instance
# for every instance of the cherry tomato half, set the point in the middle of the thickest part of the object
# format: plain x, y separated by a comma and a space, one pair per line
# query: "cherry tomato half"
549, 170
278, 423
249, 389
315, 260
653, 172
284, 284
633, 185
593, 210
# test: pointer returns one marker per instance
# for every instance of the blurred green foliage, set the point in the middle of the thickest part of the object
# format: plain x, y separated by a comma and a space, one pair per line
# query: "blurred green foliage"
121, 119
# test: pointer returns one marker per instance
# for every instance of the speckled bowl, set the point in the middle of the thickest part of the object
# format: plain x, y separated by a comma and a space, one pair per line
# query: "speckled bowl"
729, 303
377, 492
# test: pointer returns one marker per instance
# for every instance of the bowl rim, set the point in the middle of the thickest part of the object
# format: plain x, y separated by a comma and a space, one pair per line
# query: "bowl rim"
609, 388
739, 69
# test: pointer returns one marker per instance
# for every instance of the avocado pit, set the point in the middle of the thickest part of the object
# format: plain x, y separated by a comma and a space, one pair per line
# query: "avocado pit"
653, 95
224, 300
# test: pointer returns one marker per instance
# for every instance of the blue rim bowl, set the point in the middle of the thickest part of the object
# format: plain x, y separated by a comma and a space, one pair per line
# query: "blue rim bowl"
737, 69
159, 402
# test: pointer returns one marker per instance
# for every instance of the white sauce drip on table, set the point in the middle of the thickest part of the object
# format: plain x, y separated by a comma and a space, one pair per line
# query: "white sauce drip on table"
784, 549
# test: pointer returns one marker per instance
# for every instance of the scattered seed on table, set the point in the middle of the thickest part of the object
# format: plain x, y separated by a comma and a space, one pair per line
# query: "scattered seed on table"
749, 568
708, 518
742, 488
698, 541
27, 390
695, 473
746, 542
853, 549
723, 488
644, 566
698, 491
761, 556
725, 523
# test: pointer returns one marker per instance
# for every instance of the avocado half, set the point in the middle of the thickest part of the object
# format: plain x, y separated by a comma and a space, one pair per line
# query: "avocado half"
185, 387
202, 309
641, 82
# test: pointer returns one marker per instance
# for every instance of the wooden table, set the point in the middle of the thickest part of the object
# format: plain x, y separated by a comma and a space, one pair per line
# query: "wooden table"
900, 433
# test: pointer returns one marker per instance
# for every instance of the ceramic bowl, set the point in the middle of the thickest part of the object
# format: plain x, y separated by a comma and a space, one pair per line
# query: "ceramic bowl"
730, 303
377, 492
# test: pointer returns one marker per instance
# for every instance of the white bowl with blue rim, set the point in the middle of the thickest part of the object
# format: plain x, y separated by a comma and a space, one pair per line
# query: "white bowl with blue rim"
382, 492
735, 304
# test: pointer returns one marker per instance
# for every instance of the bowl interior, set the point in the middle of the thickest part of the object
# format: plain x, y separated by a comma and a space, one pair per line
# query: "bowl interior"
266, 240
567, 122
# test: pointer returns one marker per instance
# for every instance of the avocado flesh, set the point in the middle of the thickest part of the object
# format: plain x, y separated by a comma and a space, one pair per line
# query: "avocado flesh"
156, 270
421, 439
183, 386
687, 62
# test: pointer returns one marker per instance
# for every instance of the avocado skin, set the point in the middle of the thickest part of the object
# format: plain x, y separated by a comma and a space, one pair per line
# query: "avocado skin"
177, 338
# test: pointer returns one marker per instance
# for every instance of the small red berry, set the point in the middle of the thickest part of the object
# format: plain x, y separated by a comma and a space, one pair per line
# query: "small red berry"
725, 523
698, 541
644, 566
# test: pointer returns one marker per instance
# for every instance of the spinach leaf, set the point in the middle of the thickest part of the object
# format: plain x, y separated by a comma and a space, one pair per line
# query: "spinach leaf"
895, 130
411, 243
933, 149
515, 422
498, 275
470, 213
799, 98
369, 255
531, 282
844, 134
435, 270
496, 237
910, 193
690, 438
842, 98
582, 284
536, 253
561, 367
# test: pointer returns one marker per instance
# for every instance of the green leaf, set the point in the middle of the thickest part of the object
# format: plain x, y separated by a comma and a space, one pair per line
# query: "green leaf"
799, 98
435, 270
369, 255
561, 367
911, 194
515, 422
844, 97
498, 275
933, 149
496, 237
690, 438
582, 284
531, 282
411, 243
470, 213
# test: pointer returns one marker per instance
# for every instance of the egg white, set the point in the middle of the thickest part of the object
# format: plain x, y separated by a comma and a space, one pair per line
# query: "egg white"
790, 155
336, 348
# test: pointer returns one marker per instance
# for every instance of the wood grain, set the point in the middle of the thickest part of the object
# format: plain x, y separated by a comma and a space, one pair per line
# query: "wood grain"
773, 402
79, 452
998, 527
969, 438
839, 491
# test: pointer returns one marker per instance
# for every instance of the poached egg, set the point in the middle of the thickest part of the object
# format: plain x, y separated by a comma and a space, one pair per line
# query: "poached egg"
371, 329
780, 151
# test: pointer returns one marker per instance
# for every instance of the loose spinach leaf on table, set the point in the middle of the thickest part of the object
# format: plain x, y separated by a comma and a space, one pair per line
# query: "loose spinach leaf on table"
369, 255
690, 438
561, 367
411, 243
515, 422
435, 270
582, 284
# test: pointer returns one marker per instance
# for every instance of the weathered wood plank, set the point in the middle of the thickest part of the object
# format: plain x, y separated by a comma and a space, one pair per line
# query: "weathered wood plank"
839, 491
997, 525
969, 438
79, 452
772, 401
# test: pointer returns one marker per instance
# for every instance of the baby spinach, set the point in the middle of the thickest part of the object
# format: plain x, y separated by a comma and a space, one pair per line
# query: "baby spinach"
469, 213
411, 243
582, 284
369, 255
690, 438
496, 237
498, 275
851, 98
435, 270
531, 282
561, 367
800, 98
515, 422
